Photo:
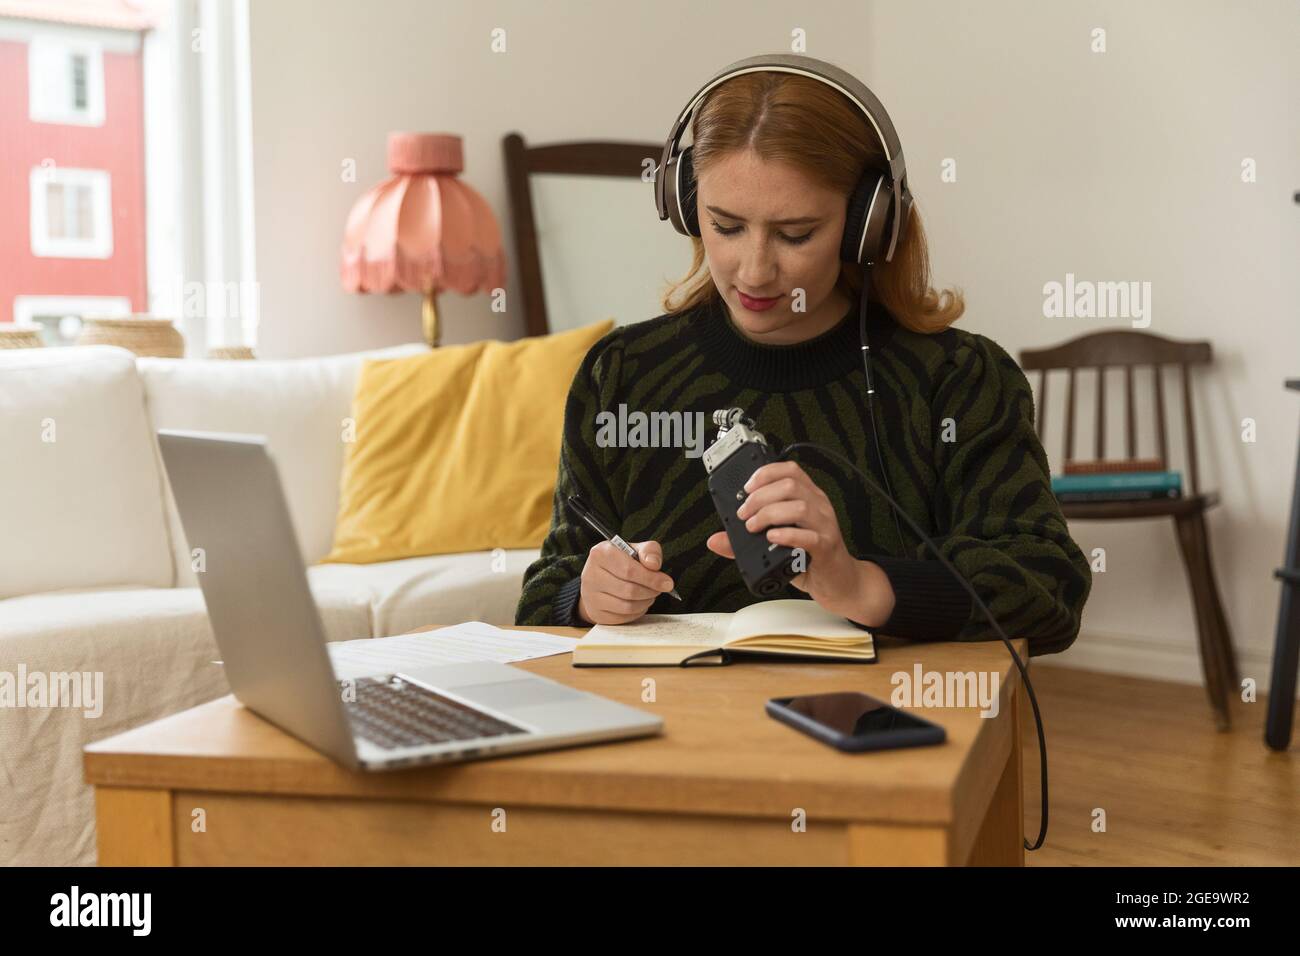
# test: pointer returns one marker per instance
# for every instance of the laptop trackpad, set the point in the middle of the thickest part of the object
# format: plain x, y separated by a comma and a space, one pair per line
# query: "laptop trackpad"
517, 693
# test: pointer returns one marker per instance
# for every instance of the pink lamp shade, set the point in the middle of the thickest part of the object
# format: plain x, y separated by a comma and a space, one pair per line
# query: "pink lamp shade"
424, 230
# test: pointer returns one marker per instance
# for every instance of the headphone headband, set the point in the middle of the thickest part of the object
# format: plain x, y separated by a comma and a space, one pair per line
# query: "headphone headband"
841, 81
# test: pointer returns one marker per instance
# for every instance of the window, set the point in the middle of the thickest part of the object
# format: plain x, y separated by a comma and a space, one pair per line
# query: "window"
65, 81
71, 213
80, 96
91, 87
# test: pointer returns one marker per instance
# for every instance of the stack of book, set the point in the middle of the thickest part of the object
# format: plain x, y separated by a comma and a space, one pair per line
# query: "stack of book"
1125, 479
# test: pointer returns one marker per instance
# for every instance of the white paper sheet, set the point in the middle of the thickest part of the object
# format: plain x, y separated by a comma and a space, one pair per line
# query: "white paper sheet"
457, 644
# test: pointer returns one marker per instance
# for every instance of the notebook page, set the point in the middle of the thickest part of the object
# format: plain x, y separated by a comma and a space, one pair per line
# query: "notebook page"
687, 630
791, 616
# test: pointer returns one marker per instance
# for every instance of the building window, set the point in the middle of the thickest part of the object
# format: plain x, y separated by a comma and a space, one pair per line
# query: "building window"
65, 81
71, 213
80, 96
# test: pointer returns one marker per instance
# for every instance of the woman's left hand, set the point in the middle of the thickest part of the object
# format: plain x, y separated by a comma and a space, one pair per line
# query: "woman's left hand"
782, 493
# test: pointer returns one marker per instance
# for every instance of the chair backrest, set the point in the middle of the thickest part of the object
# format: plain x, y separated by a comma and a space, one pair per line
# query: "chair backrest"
622, 159
1126, 349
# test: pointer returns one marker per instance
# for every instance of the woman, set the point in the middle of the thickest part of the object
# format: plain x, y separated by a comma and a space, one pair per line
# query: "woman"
766, 320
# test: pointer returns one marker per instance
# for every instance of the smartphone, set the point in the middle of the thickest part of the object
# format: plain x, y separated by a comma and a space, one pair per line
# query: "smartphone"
854, 722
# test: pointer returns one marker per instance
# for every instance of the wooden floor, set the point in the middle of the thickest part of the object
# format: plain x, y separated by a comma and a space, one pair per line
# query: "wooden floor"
1175, 791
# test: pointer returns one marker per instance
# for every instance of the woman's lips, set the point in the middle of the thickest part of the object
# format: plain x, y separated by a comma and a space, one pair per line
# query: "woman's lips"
757, 305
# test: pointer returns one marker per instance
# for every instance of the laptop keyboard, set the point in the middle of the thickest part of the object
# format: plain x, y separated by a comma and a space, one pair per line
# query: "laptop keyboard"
391, 712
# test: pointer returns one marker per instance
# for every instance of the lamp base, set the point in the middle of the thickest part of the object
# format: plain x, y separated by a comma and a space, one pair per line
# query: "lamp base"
432, 327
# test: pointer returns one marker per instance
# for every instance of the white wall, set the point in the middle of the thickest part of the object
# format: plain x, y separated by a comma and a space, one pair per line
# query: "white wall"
1123, 165
1126, 165
331, 78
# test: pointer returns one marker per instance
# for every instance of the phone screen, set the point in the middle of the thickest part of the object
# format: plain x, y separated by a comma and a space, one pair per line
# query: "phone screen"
852, 714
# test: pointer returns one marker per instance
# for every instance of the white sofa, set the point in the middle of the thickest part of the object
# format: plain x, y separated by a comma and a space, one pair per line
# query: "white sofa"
94, 569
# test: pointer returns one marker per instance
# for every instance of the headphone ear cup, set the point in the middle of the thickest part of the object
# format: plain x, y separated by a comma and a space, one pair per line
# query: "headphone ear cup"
686, 188
872, 206
855, 219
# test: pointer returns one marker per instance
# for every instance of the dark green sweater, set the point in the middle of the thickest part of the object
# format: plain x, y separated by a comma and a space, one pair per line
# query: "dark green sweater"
985, 496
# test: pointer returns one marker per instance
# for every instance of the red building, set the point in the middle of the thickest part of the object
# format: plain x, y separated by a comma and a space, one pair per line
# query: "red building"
72, 160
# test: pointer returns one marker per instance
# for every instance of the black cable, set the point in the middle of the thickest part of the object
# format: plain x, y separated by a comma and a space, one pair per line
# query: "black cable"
871, 411
1033, 700
898, 510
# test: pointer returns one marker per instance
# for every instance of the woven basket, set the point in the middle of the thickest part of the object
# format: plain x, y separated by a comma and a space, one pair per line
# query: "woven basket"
234, 352
143, 335
21, 337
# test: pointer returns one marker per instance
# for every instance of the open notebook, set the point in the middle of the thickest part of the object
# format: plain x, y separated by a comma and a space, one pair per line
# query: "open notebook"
789, 630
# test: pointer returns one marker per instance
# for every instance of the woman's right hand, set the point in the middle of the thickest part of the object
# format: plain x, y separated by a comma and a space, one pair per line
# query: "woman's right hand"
616, 588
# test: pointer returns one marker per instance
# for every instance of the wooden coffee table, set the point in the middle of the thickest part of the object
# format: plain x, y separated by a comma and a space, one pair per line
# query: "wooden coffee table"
725, 784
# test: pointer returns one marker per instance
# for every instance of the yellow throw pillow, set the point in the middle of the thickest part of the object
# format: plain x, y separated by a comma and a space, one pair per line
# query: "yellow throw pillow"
457, 450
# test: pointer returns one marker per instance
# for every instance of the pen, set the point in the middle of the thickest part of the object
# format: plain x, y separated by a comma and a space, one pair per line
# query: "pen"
586, 514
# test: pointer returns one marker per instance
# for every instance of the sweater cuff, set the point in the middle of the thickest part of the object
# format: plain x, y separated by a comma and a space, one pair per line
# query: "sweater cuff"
564, 606
929, 604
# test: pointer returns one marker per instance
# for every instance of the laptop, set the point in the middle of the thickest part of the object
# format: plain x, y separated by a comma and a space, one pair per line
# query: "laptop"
270, 635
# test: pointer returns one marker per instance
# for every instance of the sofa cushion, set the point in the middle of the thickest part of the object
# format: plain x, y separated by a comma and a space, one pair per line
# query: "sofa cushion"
155, 650
440, 589
80, 493
457, 450
300, 405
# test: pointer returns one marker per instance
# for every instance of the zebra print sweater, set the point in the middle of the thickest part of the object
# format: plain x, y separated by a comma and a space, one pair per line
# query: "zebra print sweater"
954, 413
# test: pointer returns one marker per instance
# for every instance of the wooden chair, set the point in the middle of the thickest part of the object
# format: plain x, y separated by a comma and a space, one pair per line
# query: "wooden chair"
577, 158
1125, 349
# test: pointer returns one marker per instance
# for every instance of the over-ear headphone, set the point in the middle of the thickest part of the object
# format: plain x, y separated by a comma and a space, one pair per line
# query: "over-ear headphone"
872, 225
